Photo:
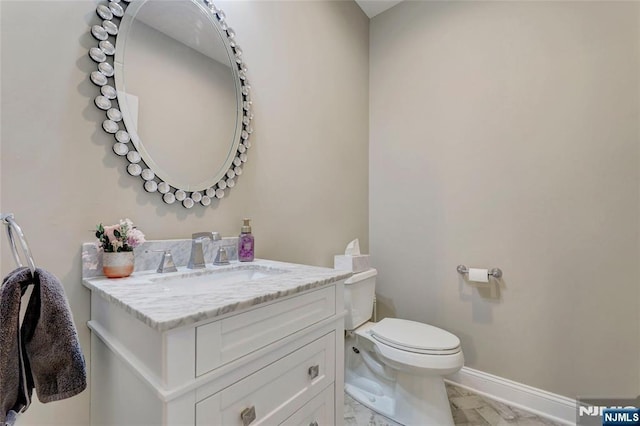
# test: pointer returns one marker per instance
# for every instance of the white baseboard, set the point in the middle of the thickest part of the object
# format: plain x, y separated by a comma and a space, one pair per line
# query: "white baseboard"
545, 404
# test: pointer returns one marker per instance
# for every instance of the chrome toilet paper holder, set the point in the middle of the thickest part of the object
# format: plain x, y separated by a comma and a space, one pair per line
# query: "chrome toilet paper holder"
493, 272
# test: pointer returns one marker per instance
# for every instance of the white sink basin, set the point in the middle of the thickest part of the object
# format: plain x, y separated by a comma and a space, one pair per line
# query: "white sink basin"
206, 278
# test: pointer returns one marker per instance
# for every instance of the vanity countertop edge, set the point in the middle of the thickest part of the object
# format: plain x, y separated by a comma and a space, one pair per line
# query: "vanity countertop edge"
164, 309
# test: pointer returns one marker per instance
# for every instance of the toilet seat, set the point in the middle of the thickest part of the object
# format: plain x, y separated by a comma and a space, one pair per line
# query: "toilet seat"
416, 337
412, 358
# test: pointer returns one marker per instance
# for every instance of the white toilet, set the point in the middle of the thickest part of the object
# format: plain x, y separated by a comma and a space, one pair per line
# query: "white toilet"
396, 367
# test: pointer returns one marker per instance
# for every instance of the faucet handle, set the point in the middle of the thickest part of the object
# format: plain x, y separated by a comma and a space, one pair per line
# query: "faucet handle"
166, 263
222, 258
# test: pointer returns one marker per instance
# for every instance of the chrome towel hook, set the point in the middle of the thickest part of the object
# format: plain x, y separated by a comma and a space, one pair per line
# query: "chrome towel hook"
12, 227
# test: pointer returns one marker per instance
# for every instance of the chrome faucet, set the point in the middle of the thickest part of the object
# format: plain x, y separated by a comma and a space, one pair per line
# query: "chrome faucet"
166, 264
222, 258
196, 260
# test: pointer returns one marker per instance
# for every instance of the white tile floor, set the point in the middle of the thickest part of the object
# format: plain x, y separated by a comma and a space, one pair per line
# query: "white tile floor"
468, 409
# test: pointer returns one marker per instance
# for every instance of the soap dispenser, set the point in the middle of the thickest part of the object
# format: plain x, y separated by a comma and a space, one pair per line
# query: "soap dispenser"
245, 243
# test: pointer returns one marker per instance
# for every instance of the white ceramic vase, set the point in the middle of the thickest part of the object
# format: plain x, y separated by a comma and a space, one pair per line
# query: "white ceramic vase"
118, 264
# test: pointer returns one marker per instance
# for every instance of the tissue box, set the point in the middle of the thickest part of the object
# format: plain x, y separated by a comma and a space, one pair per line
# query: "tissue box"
355, 264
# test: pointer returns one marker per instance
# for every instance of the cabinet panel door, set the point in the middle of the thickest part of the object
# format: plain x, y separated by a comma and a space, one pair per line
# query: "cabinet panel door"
223, 341
317, 412
272, 394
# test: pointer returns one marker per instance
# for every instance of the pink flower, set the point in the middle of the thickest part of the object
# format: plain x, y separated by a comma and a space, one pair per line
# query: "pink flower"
135, 237
126, 240
109, 232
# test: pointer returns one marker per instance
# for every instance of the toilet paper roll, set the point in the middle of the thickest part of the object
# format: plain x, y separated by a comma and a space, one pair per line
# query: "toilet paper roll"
479, 275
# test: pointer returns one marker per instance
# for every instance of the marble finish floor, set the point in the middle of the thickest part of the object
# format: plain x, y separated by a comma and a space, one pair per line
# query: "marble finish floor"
468, 408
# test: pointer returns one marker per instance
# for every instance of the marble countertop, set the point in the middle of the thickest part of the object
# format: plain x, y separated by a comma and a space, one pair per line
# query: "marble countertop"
163, 302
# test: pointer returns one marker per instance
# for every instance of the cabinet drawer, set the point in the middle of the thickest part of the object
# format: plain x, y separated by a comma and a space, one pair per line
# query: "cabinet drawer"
317, 412
271, 395
223, 341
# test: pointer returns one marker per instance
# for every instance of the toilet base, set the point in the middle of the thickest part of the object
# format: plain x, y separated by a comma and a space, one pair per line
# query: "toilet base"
409, 406
422, 400
405, 398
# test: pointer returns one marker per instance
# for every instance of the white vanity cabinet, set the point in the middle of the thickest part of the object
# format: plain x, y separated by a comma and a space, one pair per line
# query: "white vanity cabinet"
278, 362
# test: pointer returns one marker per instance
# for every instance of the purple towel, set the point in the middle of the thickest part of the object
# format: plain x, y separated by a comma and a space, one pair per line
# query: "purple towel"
53, 360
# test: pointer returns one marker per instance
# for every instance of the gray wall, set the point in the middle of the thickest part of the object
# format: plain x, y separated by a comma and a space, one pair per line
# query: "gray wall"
506, 134
502, 134
305, 185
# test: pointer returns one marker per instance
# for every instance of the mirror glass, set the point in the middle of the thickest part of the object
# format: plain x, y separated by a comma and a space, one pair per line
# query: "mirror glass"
178, 91
173, 86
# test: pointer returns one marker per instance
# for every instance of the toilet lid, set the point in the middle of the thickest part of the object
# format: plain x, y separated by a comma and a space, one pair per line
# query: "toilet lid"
415, 337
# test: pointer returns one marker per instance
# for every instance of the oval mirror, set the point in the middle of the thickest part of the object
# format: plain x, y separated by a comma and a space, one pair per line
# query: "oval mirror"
182, 95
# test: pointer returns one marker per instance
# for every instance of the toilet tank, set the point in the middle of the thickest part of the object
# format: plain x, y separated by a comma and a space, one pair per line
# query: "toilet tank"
359, 292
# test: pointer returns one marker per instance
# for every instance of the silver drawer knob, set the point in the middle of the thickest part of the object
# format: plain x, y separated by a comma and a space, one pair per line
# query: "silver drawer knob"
314, 371
248, 415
